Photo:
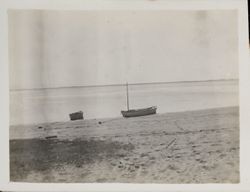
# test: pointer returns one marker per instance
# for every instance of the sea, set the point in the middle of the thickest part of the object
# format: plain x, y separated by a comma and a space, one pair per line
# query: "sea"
55, 104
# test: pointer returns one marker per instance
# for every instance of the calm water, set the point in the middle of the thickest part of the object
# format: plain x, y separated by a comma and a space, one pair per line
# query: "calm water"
48, 105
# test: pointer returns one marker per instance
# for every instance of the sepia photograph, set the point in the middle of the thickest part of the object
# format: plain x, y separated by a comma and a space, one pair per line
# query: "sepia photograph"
124, 96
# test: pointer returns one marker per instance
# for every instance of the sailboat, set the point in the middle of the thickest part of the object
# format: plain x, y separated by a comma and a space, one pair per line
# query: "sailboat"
137, 112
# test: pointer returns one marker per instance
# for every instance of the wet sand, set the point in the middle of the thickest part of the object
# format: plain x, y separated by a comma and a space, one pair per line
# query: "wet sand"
185, 147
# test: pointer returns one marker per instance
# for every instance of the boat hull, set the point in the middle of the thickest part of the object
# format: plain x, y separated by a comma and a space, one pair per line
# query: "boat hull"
76, 116
139, 112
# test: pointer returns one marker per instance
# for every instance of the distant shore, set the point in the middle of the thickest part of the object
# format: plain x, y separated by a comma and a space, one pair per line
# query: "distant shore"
185, 147
124, 84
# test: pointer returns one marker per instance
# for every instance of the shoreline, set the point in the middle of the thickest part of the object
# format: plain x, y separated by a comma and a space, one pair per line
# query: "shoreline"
124, 84
17, 131
181, 147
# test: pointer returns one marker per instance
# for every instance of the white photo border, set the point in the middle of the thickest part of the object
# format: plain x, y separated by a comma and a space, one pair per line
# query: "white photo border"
244, 81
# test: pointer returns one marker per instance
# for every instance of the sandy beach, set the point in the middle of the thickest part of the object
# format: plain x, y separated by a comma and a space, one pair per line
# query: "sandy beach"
186, 147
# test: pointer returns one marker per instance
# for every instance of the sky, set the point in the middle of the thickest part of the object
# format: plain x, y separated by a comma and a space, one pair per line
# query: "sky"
50, 49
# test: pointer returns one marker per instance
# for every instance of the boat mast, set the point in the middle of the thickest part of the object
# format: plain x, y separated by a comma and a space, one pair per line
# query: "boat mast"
127, 97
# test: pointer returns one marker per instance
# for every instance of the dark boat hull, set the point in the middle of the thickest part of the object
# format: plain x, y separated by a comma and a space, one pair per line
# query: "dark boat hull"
139, 112
76, 116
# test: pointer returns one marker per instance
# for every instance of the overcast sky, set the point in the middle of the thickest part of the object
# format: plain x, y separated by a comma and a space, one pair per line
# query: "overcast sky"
77, 48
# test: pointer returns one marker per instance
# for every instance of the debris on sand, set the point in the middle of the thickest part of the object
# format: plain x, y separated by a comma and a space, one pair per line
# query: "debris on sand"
171, 142
51, 137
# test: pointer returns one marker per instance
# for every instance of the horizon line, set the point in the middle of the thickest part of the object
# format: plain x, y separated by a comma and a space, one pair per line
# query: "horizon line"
123, 84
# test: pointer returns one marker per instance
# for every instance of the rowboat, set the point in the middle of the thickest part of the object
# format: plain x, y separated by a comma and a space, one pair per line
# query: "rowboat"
137, 112
76, 115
